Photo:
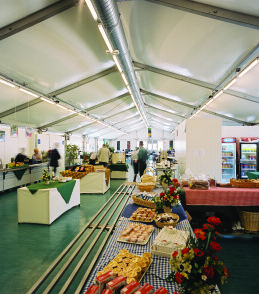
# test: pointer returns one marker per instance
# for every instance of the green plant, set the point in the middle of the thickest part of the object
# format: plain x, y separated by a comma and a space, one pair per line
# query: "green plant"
45, 175
85, 156
109, 147
166, 177
71, 154
196, 268
44, 156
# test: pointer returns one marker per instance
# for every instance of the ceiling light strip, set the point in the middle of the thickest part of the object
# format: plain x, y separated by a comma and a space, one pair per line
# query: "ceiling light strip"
91, 8
29, 92
230, 84
101, 29
7, 83
47, 100
250, 66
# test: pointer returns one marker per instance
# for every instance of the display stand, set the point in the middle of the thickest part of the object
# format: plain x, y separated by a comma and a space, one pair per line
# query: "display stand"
45, 205
119, 174
94, 183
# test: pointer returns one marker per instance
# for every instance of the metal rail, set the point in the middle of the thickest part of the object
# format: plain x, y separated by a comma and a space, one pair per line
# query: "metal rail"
120, 192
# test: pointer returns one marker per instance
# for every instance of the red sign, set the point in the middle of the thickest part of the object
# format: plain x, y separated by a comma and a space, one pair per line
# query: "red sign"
249, 140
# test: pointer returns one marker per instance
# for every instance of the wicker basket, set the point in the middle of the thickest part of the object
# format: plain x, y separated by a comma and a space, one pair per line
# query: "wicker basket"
249, 219
161, 225
148, 178
142, 202
245, 184
233, 182
146, 188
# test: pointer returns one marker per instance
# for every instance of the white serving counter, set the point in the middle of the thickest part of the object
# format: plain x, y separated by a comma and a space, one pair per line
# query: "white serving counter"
45, 205
94, 183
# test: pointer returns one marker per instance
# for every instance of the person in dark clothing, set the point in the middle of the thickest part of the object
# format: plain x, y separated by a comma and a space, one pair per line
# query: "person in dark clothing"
142, 159
54, 157
20, 156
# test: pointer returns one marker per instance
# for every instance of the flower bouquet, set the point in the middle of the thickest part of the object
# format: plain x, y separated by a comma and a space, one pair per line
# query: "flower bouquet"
169, 197
45, 176
196, 268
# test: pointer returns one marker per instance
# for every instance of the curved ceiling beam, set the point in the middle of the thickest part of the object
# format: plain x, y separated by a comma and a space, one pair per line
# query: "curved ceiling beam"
36, 18
86, 110
109, 17
194, 81
20, 107
210, 11
194, 107
84, 81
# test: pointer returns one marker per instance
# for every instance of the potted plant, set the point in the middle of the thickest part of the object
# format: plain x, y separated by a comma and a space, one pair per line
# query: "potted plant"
71, 154
196, 268
45, 176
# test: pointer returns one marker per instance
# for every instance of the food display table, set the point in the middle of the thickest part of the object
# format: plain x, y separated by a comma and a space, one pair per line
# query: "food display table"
119, 170
96, 182
19, 176
219, 196
159, 268
45, 203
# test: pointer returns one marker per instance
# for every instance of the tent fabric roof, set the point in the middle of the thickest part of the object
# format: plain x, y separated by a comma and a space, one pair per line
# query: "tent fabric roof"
183, 53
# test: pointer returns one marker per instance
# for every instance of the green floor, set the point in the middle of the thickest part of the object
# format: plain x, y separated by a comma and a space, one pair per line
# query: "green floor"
27, 250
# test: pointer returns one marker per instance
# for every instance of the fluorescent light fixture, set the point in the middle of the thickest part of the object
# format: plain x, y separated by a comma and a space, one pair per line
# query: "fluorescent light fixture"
217, 95
91, 8
124, 78
73, 111
47, 100
29, 92
117, 63
251, 65
7, 83
230, 83
61, 106
105, 37
129, 89
81, 114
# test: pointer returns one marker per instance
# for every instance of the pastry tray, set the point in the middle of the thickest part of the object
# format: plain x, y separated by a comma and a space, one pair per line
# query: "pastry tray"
143, 243
151, 260
137, 220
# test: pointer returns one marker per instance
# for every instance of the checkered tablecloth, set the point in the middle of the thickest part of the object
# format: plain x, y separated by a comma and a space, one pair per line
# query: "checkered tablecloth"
159, 268
219, 196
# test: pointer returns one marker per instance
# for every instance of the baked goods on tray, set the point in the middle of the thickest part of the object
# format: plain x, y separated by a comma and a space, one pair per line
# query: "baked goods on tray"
201, 185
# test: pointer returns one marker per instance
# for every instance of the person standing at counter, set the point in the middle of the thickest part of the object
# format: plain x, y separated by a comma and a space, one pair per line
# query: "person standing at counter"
142, 159
54, 157
21, 156
134, 158
36, 158
104, 155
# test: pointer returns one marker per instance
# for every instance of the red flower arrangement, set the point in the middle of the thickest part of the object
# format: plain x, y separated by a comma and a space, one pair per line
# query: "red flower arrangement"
169, 197
196, 268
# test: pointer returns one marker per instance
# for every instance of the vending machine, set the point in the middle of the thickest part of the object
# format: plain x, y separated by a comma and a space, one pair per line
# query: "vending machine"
248, 156
228, 159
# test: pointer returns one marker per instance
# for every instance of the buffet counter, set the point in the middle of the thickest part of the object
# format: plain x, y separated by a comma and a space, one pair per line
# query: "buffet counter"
19, 176
42, 204
119, 170
219, 196
159, 268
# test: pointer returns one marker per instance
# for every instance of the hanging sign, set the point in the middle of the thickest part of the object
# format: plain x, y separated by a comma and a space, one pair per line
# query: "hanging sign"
228, 140
28, 132
128, 145
171, 145
149, 133
118, 145
14, 131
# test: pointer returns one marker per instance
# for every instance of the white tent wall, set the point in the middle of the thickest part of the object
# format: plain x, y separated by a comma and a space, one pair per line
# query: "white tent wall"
142, 135
240, 131
12, 145
180, 147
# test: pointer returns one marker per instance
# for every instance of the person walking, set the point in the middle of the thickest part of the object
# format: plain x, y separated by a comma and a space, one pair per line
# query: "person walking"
104, 155
142, 159
54, 157
134, 158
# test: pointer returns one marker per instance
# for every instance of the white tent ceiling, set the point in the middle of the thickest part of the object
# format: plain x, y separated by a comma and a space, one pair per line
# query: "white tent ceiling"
183, 53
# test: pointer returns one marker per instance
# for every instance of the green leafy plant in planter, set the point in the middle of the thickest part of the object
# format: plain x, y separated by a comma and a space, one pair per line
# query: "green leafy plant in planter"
110, 148
72, 152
